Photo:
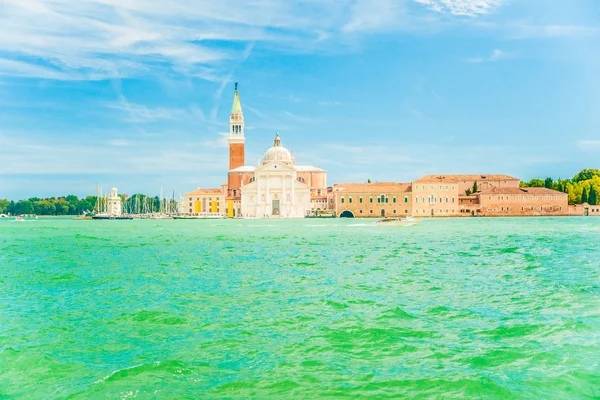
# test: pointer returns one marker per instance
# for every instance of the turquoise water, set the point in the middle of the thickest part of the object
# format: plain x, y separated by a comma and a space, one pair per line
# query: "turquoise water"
457, 308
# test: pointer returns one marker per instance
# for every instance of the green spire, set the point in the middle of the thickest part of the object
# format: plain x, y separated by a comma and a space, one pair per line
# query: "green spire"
236, 108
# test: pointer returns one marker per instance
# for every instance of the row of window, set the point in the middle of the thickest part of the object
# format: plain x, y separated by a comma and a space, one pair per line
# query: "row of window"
380, 199
440, 211
433, 199
371, 211
432, 187
523, 197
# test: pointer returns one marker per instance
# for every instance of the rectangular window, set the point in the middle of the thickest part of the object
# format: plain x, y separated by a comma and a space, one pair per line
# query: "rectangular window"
405, 211
349, 199
360, 212
371, 211
342, 200
360, 200
387, 200
370, 200
416, 199
446, 187
394, 199
394, 211
406, 199
452, 187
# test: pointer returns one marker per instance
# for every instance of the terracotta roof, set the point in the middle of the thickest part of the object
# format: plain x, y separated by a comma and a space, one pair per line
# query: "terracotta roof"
522, 190
468, 177
375, 187
204, 191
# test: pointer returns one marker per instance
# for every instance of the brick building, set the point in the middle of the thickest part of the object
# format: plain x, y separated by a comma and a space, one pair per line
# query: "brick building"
378, 199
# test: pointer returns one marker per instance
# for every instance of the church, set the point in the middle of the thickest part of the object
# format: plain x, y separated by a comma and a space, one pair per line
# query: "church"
275, 188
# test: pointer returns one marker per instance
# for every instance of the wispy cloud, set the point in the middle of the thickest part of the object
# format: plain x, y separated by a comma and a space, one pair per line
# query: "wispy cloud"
368, 15
138, 113
589, 144
462, 7
329, 103
527, 30
496, 55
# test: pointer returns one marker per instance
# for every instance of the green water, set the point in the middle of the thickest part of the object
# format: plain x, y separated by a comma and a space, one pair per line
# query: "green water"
462, 308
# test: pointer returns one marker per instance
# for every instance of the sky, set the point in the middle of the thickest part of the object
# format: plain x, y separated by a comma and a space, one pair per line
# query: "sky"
135, 94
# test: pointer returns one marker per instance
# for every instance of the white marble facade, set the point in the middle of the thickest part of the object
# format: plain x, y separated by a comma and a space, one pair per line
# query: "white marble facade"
275, 190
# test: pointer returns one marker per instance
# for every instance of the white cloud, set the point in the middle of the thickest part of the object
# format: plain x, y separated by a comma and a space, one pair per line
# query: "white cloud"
526, 30
589, 144
137, 113
496, 55
368, 15
462, 7
118, 142
98, 39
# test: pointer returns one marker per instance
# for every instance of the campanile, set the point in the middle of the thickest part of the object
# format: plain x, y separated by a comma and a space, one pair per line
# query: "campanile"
236, 133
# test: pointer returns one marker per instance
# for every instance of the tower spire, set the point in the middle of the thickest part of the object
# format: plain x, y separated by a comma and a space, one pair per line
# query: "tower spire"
236, 132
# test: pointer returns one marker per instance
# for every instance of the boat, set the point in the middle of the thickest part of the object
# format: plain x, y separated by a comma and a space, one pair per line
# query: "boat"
19, 219
107, 216
201, 216
406, 221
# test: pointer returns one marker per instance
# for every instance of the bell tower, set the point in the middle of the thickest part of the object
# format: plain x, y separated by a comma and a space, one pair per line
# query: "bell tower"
236, 133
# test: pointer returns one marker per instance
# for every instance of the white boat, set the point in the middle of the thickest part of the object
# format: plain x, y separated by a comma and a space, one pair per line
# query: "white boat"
201, 216
406, 221
19, 219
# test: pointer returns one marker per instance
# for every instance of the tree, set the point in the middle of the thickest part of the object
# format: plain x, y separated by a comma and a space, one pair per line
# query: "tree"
24, 207
468, 192
586, 174
4, 206
536, 183
548, 183
584, 196
475, 188
368, 181
593, 197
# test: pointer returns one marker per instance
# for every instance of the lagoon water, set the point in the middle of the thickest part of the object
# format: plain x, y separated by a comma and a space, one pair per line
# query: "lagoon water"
456, 308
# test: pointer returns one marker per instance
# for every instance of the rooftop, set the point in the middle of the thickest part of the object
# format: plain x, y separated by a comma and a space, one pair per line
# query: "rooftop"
374, 187
245, 168
303, 168
204, 191
466, 177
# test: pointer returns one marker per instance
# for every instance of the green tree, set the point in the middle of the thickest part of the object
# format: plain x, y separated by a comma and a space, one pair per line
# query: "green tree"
23, 207
475, 188
584, 196
586, 174
548, 183
468, 192
593, 197
368, 181
72, 199
536, 183
4, 206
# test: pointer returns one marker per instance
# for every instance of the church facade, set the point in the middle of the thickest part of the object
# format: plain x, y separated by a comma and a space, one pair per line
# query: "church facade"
276, 187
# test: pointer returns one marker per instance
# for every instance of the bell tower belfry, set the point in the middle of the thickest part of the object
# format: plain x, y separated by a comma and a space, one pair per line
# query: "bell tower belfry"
236, 133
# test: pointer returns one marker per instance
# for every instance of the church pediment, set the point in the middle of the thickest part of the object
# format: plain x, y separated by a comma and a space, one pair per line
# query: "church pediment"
275, 166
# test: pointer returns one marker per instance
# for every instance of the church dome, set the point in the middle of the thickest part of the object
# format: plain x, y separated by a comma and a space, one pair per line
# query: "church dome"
278, 153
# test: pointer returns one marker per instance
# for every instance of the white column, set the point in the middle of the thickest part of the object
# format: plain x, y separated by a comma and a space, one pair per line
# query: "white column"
267, 196
293, 199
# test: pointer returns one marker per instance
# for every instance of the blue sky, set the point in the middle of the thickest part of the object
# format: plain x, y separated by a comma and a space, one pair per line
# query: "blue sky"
136, 93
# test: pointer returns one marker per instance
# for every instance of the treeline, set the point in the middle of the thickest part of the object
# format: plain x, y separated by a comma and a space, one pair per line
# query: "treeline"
72, 205
583, 188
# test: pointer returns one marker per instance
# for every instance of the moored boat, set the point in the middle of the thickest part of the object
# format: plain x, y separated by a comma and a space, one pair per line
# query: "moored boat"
201, 216
406, 221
